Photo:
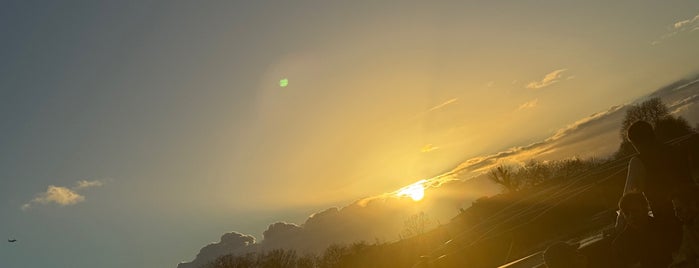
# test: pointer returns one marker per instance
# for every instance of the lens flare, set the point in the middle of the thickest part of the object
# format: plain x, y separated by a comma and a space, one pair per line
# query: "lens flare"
416, 191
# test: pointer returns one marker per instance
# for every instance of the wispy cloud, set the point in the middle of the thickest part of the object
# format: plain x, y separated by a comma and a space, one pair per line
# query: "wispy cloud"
679, 27
87, 184
429, 148
683, 104
549, 79
442, 105
529, 104
684, 24
62, 196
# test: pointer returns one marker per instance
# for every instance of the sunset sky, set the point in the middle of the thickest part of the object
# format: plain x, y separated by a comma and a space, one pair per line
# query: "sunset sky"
134, 133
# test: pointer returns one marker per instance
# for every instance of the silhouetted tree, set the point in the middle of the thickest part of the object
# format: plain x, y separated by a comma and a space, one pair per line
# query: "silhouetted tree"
332, 256
653, 111
533, 172
569, 168
279, 258
503, 175
249, 260
672, 127
416, 224
307, 261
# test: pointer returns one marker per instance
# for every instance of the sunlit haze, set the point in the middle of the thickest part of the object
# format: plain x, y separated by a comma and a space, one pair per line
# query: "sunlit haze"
416, 191
134, 133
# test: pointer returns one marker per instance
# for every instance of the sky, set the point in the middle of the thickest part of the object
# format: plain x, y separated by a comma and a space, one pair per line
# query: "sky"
134, 133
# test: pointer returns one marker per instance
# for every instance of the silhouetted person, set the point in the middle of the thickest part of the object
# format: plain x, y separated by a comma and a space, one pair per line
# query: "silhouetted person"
642, 242
564, 255
657, 171
686, 205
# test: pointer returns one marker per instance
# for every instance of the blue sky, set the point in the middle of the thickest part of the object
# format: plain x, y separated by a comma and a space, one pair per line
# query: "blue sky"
174, 107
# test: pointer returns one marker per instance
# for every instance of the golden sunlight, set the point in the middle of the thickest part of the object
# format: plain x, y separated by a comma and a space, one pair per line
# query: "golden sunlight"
416, 191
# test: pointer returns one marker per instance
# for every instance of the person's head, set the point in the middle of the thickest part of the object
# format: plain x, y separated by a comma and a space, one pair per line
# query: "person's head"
685, 201
635, 209
641, 135
563, 255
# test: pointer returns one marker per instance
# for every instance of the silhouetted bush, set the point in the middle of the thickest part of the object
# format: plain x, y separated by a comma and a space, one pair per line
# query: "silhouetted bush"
653, 111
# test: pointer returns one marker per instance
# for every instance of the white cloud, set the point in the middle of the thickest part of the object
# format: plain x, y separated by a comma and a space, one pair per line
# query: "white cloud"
58, 195
62, 196
686, 23
549, 79
679, 27
529, 104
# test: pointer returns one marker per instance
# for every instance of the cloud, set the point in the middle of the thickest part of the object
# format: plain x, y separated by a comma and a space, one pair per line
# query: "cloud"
55, 194
683, 24
62, 196
440, 106
549, 79
87, 184
428, 148
437, 107
377, 220
529, 104
683, 105
230, 242
680, 27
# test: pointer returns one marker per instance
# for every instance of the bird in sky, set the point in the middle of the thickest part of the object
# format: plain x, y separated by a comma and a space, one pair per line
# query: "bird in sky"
11, 240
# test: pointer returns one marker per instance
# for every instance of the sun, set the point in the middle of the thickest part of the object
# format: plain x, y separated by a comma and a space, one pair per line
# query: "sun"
416, 191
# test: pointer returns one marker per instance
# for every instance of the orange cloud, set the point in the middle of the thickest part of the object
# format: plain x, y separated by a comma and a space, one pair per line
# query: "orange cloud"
529, 104
549, 79
428, 148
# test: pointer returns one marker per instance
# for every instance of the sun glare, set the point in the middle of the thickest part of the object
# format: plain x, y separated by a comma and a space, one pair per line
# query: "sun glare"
416, 191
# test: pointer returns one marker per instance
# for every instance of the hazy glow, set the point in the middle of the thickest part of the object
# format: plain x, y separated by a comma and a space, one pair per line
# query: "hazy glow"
416, 191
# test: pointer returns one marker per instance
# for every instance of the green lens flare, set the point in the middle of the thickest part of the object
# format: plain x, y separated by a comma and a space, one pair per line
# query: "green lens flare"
284, 82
